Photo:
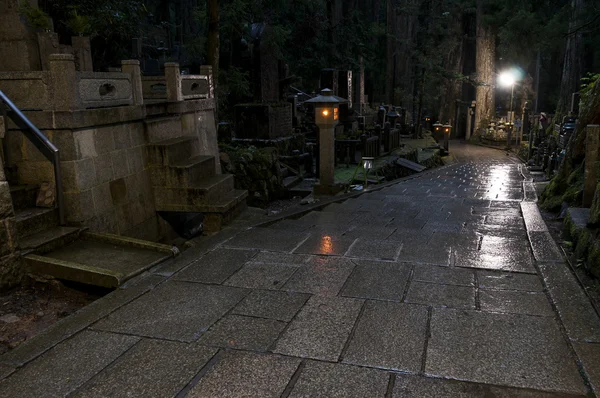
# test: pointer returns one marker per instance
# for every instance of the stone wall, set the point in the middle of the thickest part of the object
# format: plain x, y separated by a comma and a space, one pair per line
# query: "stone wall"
10, 263
18, 45
106, 178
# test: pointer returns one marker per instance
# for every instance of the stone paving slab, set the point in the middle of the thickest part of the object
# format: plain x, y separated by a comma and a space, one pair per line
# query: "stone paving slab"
390, 336
513, 350
67, 366
423, 253
374, 249
574, 308
281, 258
246, 375
409, 386
544, 247
321, 379
261, 276
589, 353
493, 260
268, 239
506, 301
325, 244
321, 328
216, 266
276, 305
377, 280
176, 311
70, 325
242, 332
322, 276
5, 370
441, 295
533, 218
444, 275
152, 368
509, 281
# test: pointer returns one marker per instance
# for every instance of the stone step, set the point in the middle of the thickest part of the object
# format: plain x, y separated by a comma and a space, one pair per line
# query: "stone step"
35, 219
161, 128
227, 202
224, 211
170, 152
207, 191
24, 196
100, 259
184, 174
49, 239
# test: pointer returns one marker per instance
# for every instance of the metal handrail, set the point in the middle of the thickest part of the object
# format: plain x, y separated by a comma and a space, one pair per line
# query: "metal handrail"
41, 142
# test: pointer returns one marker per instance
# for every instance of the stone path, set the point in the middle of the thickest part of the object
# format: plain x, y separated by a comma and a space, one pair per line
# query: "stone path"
447, 284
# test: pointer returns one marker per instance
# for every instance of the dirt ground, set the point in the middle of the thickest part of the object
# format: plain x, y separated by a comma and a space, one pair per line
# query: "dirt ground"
38, 303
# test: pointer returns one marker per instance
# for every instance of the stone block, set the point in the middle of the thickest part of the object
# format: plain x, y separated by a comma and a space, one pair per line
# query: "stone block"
121, 136
8, 236
6, 205
119, 163
14, 144
104, 140
135, 159
35, 172
124, 218
103, 201
85, 144
11, 271
136, 134
105, 222
65, 142
78, 175
118, 191
79, 206
104, 168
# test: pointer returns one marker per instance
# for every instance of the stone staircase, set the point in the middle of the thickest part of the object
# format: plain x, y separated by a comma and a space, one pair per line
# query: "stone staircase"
37, 227
186, 182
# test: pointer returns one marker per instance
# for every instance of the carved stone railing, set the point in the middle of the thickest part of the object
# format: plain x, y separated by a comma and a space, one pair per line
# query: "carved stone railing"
62, 88
154, 87
99, 90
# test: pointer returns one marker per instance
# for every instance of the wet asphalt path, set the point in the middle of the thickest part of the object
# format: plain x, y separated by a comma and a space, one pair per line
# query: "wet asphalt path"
444, 285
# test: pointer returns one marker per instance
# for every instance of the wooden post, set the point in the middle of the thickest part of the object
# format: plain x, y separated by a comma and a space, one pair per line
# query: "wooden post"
592, 140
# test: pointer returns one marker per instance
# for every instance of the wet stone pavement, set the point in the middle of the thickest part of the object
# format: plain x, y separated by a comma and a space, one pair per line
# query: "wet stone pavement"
447, 284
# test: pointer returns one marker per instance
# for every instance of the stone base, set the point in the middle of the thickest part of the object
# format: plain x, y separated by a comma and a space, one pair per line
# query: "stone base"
327, 190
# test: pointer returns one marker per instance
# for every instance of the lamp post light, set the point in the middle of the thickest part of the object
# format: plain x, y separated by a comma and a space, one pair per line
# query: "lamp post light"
507, 79
326, 118
437, 128
447, 130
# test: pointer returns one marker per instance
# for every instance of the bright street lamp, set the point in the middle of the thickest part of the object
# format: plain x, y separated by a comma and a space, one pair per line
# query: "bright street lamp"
508, 79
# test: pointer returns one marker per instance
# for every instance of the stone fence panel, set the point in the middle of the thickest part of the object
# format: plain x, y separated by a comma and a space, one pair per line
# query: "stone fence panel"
103, 89
28, 90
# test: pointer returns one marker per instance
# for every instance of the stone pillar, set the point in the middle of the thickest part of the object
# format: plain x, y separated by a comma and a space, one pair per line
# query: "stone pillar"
326, 156
48, 45
64, 82
11, 270
173, 78
83, 53
592, 141
206, 70
18, 40
132, 66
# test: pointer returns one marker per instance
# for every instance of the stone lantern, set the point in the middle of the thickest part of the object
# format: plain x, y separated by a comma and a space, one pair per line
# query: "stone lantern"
392, 116
447, 131
326, 118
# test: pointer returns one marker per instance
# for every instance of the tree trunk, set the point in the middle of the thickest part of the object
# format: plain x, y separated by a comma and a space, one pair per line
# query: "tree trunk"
390, 50
485, 58
213, 40
573, 61
453, 86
